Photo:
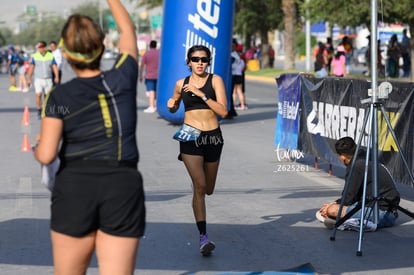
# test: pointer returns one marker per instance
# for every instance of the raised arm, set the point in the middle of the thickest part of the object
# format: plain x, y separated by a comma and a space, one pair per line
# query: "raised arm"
127, 40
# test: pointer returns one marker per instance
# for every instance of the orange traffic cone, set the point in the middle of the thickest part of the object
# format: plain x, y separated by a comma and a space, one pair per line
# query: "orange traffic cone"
26, 116
26, 144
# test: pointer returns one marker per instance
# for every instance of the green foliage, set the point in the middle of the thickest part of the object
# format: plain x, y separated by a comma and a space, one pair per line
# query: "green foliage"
5, 36
90, 9
50, 27
147, 3
301, 43
356, 12
254, 16
47, 30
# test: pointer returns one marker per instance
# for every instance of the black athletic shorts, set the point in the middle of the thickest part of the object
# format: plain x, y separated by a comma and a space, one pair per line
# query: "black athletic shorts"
209, 145
92, 195
237, 79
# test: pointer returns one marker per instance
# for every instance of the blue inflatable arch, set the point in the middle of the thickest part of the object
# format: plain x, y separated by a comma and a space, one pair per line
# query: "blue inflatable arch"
185, 24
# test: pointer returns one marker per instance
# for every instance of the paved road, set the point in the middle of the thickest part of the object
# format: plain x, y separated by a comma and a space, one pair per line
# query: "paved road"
260, 219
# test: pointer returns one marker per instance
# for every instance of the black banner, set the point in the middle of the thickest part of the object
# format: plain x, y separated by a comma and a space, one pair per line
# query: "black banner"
331, 108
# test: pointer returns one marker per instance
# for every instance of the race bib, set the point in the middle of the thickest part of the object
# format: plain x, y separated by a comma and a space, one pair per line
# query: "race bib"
187, 133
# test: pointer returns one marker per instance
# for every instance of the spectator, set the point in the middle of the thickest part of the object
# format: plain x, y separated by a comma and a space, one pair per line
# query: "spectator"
345, 148
41, 66
1, 61
321, 60
330, 49
271, 53
237, 69
406, 54
258, 55
243, 57
380, 66
393, 54
250, 53
346, 42
149, 65
235, 57
57, 54
338, 62
21, 70
11, 67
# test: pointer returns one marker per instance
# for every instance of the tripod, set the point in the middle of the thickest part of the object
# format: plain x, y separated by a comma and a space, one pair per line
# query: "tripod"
372, 141
371, 202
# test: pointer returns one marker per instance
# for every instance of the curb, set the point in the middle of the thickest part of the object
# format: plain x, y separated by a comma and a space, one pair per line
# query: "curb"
261, 78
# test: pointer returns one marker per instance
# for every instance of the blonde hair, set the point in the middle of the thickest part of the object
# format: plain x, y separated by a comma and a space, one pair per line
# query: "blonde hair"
82, 41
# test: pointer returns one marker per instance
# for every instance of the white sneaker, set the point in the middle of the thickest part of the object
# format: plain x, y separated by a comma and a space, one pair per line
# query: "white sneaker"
319, 216
150, 110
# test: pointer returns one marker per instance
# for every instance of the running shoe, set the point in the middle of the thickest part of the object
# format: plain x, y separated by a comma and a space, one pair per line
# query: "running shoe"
150, 110
206, 246
319, 216
12, 88
241, 107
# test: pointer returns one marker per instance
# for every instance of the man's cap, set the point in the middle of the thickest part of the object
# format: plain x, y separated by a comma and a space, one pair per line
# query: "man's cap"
11, 47
40, 45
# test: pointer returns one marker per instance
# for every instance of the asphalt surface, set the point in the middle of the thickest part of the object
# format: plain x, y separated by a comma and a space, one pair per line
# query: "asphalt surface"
260, 217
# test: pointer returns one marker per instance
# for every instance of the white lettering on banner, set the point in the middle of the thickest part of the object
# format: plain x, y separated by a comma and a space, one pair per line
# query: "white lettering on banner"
288, 110
204, 8
206, 19
335, 121
288, 154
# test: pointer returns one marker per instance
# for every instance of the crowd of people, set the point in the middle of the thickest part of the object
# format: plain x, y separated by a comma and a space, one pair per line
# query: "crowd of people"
43, 68
330, 61
397, 51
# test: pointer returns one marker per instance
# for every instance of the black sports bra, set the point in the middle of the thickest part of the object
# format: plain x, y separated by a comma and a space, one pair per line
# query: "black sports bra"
193, 102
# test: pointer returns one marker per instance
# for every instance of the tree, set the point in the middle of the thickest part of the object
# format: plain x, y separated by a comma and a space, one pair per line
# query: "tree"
47, 30
5, 35
257, 17
290, 24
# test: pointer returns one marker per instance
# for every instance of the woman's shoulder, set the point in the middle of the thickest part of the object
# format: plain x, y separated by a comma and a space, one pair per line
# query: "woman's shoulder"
216, 77
180, 82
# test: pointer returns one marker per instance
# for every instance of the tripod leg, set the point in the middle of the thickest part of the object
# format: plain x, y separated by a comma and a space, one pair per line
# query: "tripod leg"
364, 190
405, 211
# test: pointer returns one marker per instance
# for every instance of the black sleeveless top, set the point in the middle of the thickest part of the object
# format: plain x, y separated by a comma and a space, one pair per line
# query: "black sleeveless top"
98, 124
193, 102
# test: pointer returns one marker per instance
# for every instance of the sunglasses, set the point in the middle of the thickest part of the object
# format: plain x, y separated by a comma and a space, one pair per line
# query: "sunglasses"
196, 59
